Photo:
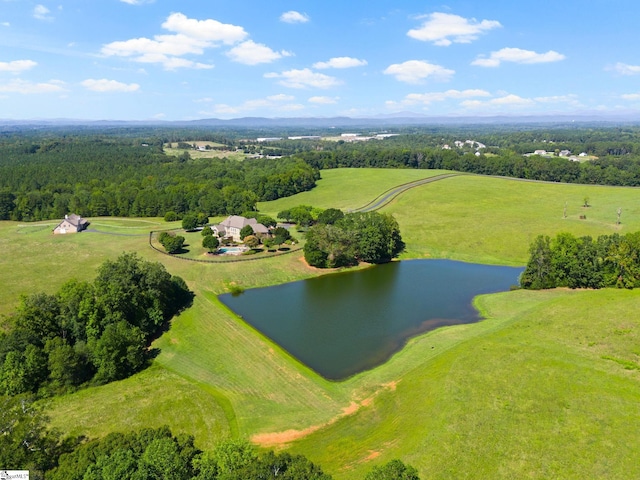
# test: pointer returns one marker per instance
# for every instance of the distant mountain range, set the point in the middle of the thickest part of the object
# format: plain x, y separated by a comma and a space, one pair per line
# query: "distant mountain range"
396, 119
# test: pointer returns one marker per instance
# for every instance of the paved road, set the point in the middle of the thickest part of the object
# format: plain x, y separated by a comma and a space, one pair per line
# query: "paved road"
389, 195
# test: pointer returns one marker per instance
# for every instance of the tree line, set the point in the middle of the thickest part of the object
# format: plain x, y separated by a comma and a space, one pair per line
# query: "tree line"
27, 443
48, 178
621, 170
582, 262
89, 333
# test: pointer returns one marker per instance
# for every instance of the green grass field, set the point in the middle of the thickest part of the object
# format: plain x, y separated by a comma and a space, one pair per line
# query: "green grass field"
545, 387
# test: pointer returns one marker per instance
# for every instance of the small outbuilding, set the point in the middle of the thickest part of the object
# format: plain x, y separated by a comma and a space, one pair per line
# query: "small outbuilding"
72, 223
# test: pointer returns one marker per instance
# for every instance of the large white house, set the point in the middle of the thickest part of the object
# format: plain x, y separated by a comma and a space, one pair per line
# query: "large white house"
231, 226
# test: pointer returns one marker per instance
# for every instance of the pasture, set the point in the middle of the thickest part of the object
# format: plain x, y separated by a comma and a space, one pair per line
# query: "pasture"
545, 387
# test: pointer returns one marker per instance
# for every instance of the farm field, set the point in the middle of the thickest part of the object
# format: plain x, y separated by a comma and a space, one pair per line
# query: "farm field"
548, 386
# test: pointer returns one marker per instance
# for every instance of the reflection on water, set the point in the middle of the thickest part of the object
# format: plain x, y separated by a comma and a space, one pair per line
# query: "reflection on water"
342, 324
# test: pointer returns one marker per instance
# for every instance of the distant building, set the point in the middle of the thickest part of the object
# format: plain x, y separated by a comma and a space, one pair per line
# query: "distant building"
268, 139
306, 137
71, 224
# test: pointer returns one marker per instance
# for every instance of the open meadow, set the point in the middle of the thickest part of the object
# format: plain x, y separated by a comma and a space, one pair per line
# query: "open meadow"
547, 386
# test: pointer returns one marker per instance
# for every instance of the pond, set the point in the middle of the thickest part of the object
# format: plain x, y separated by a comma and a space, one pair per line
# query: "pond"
344, 323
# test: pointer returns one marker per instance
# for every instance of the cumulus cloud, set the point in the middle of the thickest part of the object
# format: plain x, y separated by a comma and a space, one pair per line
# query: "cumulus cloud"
42, 13
294, 17
279, 102
570, 99
416, 71
340, 62
430, 97
517, 55
625, 69
509, 100
207, 30
252, 53
323, 100
304, 78
17, 66
443, 29
25, 87
104, 85
281, 97
189, 37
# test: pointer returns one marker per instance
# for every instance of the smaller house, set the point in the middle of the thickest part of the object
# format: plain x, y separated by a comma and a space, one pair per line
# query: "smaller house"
231, 226
71, 224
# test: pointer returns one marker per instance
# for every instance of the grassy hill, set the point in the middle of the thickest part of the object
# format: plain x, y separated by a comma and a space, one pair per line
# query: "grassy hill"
546, 386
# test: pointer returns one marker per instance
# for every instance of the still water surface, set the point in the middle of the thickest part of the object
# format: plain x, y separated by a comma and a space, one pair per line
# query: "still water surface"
345, 323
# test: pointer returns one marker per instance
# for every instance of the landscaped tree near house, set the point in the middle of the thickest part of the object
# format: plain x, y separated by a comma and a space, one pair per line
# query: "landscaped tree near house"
211, 243
246, 231
251, 241
190, 222
171, 242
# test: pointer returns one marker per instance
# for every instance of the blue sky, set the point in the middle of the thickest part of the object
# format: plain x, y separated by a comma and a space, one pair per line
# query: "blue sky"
172, 60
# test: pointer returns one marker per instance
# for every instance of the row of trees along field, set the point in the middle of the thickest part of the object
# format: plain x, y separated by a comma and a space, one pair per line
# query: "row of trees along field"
582, 262
150, 454
89, 333
118, 177
610, 170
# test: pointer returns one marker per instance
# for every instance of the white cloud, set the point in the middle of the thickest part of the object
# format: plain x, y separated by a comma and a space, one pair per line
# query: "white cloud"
104, 85
430, 97
190, 37
509, 100
443, 29
273, 103
25, 87
341, 62
323, 100
517, 55
570, 99
281, 97
294, 17
252, 53
5, 24
137, 2
624, 69
304, 78
631, 96
416, 71
17, 66
42, 13
208, 30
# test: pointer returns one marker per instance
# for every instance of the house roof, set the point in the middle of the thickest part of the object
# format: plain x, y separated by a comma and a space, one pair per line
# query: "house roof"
75, 220
236, 221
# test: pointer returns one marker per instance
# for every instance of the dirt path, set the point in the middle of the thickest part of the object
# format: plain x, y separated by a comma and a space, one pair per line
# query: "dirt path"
281, 439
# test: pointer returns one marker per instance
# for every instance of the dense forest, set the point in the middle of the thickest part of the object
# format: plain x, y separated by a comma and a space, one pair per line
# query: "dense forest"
46, 173
94, 176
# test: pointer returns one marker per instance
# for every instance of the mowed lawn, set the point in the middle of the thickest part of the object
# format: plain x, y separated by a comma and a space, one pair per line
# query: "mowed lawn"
348, 188
494, 220
545, 387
